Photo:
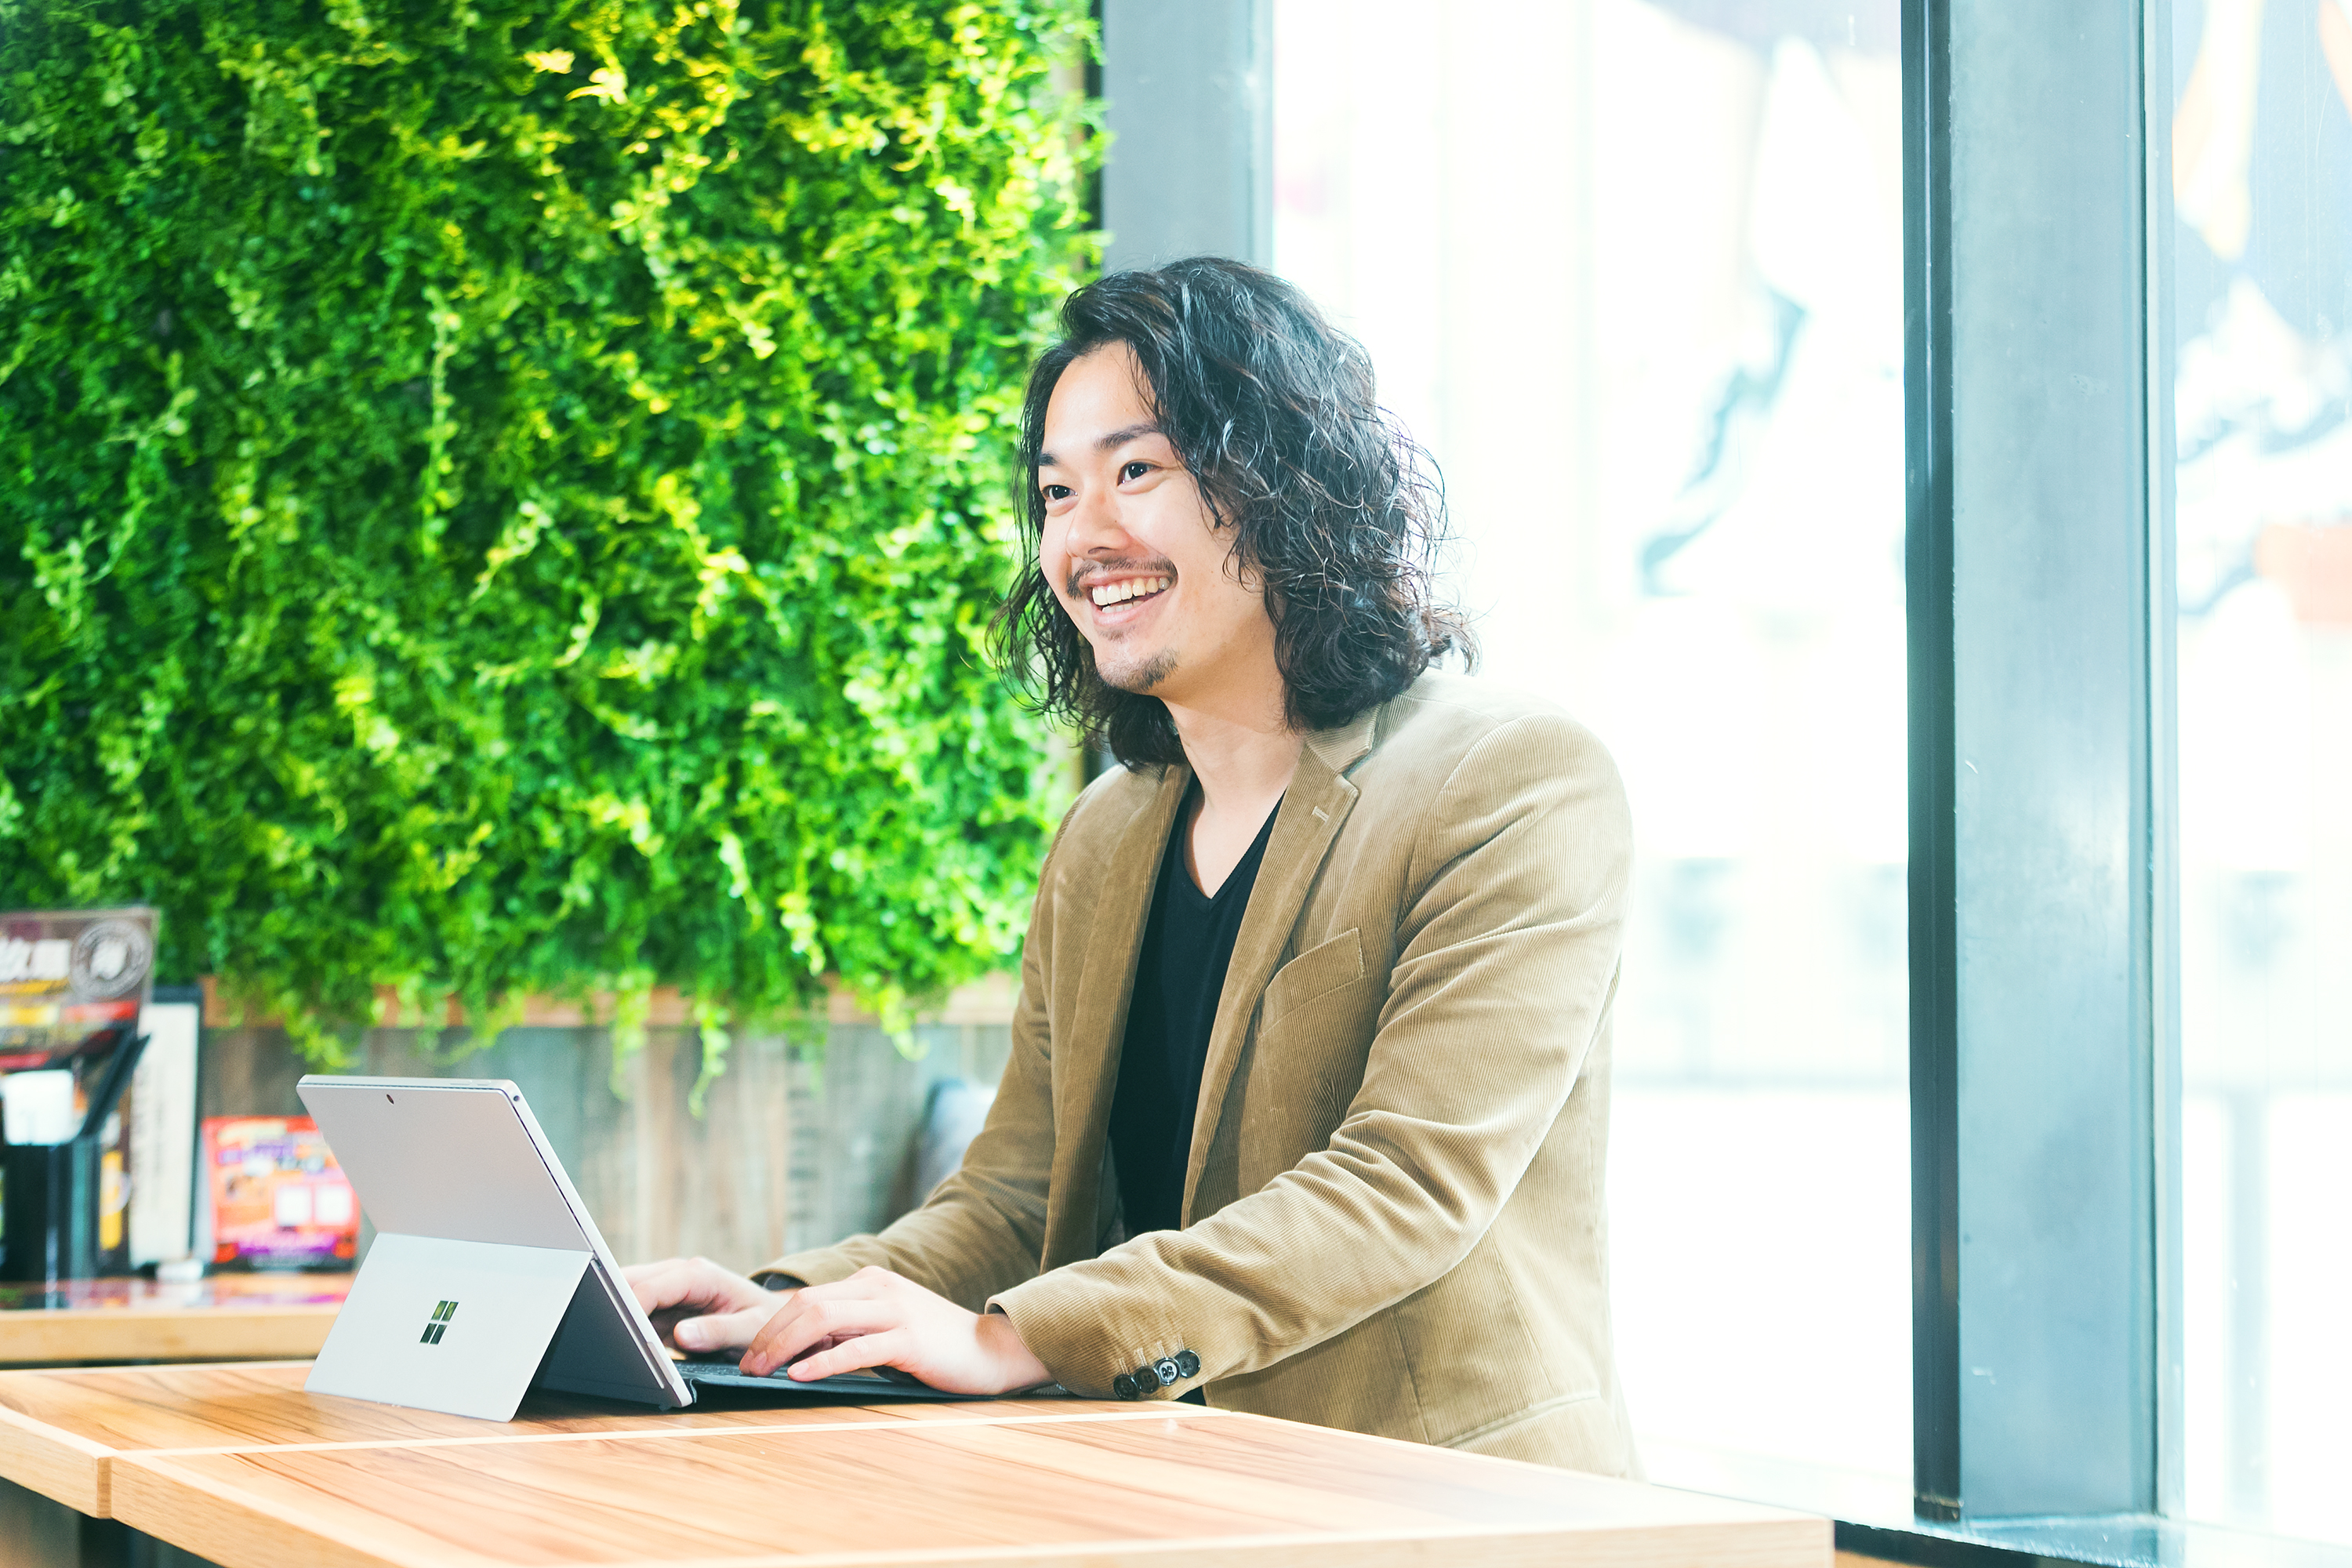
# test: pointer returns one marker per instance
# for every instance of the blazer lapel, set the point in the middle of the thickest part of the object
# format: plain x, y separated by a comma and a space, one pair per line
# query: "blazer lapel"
1086, 1067
1317, 803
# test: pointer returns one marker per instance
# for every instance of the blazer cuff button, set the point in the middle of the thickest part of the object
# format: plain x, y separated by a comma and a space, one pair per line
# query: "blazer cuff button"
1187, 1363
1164, 1370
1124, 1386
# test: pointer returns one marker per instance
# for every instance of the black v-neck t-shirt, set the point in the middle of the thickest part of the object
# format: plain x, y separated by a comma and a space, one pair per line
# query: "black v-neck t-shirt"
1178, 973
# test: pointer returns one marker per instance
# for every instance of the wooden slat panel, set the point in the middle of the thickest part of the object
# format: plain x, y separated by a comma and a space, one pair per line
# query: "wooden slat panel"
1155, 1490
793, 1148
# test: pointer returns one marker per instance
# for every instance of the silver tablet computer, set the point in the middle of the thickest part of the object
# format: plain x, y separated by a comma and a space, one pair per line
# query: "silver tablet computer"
487, 1276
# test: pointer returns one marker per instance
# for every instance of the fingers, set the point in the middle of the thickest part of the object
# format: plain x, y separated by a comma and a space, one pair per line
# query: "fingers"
683, 1288
660, 1285
875, 1317
892, 1347
817, 1316
867, 1284
725, 1330
801, 1325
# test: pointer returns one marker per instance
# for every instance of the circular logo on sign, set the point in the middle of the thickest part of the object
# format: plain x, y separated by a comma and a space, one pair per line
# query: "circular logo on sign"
110, 959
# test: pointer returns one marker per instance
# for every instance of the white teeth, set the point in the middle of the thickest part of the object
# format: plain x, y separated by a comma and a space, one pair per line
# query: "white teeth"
1119, 593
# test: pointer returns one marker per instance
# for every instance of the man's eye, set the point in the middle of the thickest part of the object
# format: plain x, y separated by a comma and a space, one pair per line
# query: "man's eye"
1135, 470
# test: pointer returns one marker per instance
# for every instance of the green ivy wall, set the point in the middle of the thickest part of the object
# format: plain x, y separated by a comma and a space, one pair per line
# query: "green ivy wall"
501, 499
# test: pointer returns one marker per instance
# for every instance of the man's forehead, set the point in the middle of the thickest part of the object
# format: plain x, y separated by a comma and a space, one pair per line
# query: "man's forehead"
1101, 401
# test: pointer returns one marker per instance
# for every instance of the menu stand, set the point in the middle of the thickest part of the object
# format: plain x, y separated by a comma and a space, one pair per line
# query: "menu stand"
51, 1217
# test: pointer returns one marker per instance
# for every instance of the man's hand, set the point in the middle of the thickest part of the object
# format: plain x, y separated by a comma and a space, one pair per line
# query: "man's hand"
875, 1317
697, 1306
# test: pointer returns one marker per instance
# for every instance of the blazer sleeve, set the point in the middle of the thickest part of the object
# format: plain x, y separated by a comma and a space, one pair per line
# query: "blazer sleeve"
1508, 943
983, 1230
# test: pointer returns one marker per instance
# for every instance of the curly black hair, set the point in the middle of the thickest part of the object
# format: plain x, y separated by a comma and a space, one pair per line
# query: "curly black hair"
1333, 507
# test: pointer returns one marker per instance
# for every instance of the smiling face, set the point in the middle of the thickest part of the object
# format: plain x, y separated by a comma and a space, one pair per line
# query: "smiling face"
1133, 555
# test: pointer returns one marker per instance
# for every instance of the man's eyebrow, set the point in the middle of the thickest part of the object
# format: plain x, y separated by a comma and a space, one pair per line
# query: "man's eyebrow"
1105, 443
1121, 438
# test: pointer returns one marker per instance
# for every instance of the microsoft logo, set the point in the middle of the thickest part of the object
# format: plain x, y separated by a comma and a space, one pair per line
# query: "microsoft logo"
440, 1325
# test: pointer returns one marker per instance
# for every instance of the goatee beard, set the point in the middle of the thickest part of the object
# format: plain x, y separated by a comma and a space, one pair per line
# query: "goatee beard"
1141, 679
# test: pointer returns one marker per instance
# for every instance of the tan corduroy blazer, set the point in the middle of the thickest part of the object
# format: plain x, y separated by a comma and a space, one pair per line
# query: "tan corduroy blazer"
1394, 1216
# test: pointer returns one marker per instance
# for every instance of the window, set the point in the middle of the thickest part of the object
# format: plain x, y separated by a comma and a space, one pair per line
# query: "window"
2262, 175
1633, 273
1813, 379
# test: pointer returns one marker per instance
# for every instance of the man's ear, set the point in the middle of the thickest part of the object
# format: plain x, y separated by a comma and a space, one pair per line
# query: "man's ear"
1241, 570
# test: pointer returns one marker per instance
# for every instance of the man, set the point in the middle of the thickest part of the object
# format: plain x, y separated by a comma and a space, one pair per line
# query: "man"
1306, 1106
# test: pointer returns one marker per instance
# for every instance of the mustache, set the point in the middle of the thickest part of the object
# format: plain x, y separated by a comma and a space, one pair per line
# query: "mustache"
1080, 575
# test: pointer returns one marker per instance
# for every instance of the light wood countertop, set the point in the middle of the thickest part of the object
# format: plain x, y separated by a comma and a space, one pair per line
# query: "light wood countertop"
62, 1430
238, 1465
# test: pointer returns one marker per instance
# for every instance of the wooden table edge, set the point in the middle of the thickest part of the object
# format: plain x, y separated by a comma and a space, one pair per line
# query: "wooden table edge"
1807, 1545
176, 1334
147, 1490
28, 1457
154, 1494
77, 1471
214, 1523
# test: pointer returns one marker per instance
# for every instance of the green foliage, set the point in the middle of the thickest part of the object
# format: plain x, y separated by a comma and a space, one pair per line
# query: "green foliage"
504, 499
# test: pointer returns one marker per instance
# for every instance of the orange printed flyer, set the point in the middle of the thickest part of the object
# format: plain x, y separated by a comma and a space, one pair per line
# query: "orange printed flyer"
279, 1198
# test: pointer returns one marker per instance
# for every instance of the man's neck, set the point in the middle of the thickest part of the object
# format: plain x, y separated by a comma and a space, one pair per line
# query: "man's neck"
1244, 755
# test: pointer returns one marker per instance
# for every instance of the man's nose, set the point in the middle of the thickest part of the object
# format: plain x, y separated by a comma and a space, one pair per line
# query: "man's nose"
1094, 526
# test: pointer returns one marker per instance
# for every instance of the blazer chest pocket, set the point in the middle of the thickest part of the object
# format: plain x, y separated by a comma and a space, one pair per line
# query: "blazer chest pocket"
1318, 972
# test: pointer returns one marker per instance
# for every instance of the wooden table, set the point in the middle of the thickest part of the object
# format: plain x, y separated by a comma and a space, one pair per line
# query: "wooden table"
236, 1464
234, 1317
